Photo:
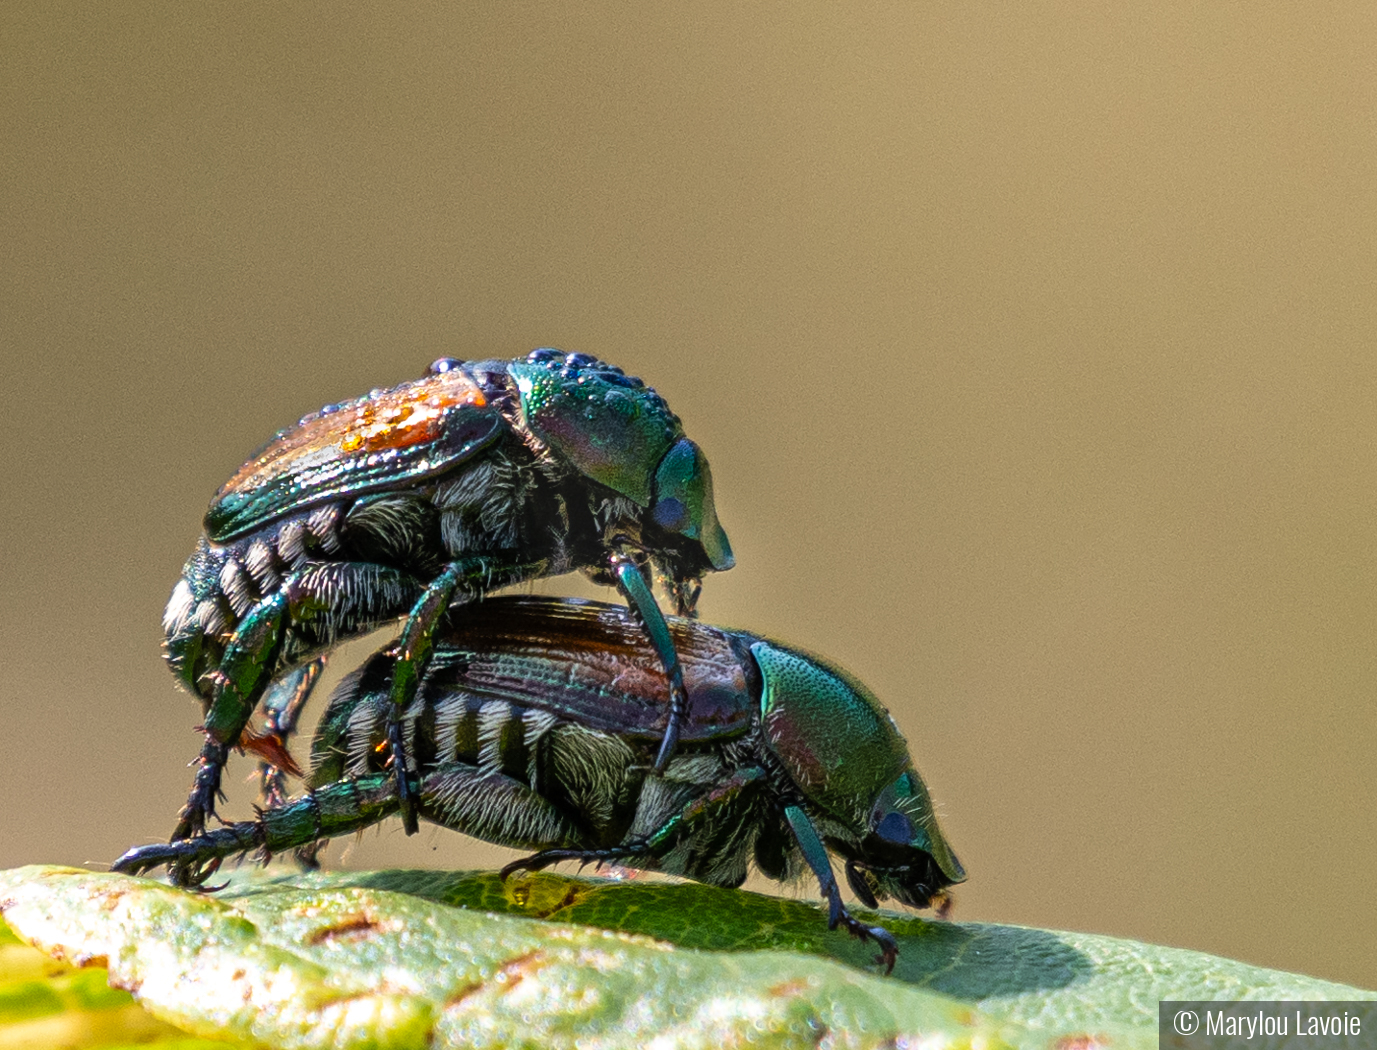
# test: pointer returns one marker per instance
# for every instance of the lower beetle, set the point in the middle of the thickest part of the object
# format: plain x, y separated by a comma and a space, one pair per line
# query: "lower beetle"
418, 498
533, 727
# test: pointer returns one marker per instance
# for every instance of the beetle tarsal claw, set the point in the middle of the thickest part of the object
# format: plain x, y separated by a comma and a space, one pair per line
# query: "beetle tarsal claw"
517, 865
889, 947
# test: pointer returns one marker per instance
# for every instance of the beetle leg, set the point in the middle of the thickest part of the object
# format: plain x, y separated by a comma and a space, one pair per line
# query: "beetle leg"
319, 598
546, 857
336, 809
662, 839
282, 704
860, 882
205, 790
464, 798
815, 853
413, 651
469, 576
643, 606
238, 683
703, 808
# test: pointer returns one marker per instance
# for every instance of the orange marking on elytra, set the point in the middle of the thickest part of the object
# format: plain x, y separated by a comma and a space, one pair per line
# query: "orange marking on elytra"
413, 418
411, 414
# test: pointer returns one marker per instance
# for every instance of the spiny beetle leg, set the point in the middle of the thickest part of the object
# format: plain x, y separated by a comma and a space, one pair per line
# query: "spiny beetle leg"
204, 791
663, 838
643, 606
239, 682
282, 704
546, 857
837, 915
409, 804
469, 577
371, 594
889, 947
335, 809
192, 861
815, 853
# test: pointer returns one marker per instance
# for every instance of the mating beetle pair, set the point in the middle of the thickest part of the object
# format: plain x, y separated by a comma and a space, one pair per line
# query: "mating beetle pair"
545, 725
413, 500
535, 724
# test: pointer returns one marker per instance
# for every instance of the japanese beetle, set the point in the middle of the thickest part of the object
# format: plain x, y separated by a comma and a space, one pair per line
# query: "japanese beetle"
533, 727
413, 500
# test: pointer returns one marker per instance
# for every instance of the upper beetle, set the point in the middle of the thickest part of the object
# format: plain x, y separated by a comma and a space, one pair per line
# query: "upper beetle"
414, 499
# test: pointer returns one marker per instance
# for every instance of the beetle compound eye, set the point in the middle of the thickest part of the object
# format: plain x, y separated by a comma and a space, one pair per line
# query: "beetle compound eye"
670, 514
441, 365
895, 828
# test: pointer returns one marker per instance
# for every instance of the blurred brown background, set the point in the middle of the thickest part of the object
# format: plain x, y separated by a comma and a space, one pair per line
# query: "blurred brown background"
1032, 344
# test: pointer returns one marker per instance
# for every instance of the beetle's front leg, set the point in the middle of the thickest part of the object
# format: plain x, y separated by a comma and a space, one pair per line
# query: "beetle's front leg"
643, 606
815, 853
470, 576
685, 593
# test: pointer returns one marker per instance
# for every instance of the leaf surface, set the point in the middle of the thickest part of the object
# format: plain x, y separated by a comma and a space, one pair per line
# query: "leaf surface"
448, 959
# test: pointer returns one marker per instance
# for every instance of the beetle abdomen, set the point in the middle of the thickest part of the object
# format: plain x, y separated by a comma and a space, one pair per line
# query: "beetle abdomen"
590, 775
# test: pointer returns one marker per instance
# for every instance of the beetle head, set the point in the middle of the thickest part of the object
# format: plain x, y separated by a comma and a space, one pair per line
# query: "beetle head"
620, 433
845, 755
683, 514
903, 854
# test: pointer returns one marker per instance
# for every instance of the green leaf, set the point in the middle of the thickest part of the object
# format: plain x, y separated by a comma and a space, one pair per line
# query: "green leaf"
415, 959
46, 1003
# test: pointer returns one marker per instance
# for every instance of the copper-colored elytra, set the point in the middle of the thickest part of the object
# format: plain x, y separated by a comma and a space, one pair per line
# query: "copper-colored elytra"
410, 414
403, 418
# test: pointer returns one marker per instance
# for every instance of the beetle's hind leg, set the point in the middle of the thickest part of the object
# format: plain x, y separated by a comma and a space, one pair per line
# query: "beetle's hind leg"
317, 602
335, 809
